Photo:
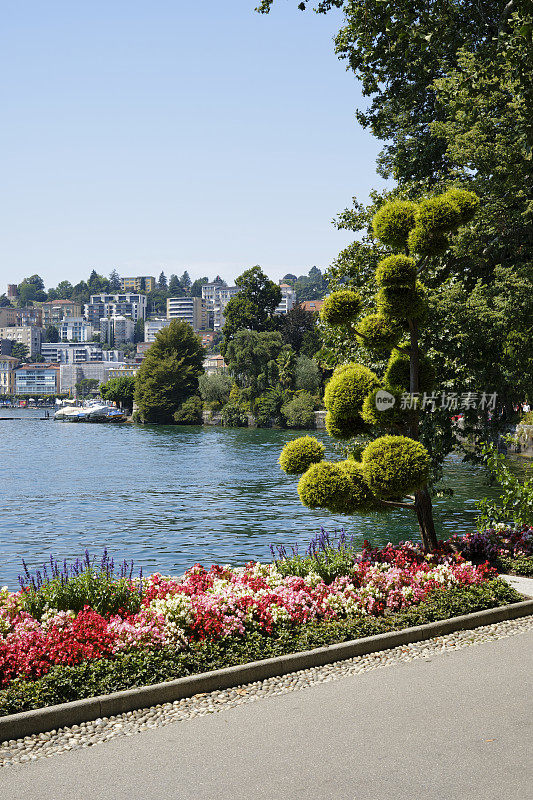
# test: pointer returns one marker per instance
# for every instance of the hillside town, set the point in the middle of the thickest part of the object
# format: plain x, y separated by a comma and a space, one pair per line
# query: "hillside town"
65, 340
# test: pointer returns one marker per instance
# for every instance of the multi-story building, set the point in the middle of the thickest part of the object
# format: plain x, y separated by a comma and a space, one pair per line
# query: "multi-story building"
217, 295
37, 379
8, 365
115, 305
29, 335
12, 291
54, 311
71, 374
20, 317
311, 305
190, 309
124, 371
214, 365
210, 290
152, 328
288, 299
73, 353
75, 329
142, 283
6, 347
117, 330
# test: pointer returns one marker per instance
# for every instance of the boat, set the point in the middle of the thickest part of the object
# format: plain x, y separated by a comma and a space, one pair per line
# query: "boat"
93, 411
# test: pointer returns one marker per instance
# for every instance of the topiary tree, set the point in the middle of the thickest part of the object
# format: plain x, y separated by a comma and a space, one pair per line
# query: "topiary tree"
393, 469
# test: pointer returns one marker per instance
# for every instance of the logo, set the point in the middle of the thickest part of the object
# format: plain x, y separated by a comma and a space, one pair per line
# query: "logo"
384, 400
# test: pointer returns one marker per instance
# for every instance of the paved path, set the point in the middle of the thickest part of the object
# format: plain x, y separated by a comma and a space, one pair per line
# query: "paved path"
450, 728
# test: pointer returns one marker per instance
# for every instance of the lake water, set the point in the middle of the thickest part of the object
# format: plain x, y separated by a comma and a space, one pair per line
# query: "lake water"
169, 497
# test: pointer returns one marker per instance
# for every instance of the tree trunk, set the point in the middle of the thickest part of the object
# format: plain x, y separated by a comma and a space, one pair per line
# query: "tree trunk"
424, 513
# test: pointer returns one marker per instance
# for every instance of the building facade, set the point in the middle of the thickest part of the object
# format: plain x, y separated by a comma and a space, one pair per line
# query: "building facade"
8, 366
312, 305
37, 379
75, 329
30, 335
115, 305
71, 374
142, 283
117, 330
20, 317
152, 328
189, 309
214, 365
288, 299
54, 311
72, 353
217, 295
124, 371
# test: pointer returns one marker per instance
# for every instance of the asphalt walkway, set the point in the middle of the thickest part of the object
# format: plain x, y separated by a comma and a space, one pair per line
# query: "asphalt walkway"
454, 727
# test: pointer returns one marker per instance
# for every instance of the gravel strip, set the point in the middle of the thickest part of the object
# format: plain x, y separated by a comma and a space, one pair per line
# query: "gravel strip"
87, 734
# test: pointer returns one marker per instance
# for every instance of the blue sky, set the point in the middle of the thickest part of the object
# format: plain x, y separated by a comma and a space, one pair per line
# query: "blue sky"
174, 135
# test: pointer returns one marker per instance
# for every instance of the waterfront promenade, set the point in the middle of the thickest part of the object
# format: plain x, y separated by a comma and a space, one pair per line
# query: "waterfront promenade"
447, 724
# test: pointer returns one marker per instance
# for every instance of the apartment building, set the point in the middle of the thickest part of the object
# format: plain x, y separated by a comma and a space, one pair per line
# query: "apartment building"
288, 299
214, 365
55, 311
115, 305
37, 379
217, 296
312, 305
117, 330
189, 309
71, 374
73, 353
6, 347
29, 335
20, 317
152, 328
8, 366
143, 283
75, 329
124, 371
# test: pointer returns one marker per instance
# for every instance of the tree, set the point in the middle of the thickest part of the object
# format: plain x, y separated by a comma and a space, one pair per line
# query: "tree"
51, 334
190, 412
114, 281
286, 363
175, 288
307, 375
64, 290
169, 373
86, 386
300, 411
97, 283
138, 332
162, 282
143, 285
5, 302
119, 390
251, 359
253, 307
156, 301
185, 282
31, 290
392, 467
298, 326
215, 389
20, 351
196, 288
81, 293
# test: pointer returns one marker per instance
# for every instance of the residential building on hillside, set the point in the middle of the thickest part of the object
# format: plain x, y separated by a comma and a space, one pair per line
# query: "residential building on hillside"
142, 347
124, 371
6, 347
29, 335
312, 305
75, 329
117, 330
217, 296
152, 328
54, 311
208, 338
214, 365
189, 309
210, 290
20, 317
143, 283
288, 299
37, 379
71, 374
8, 366
78, 353
12, 291
115, 305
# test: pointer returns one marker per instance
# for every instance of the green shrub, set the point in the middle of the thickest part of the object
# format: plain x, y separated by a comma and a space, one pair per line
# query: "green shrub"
389, 415
398, 270
362, 496
393, 222
190, 412
344, 397
466, 203
438, 215
398, 372
526, 418
379, 332
394, 466
298, 455
215, 389
341, 307
427, 243
233, 416
401, 302
326, 485
300, 411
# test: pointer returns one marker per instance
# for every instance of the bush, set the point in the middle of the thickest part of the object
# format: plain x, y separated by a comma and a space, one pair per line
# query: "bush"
401, 302
340, 308
233, 416
466, 203
389, 415
379, 332
307, 375
396, 270
298, 455
393, 222
326, 485
362, 496
300, 411
425, 243
515, 503
344, 397
215, 389
190, 412
394, 466
398, 372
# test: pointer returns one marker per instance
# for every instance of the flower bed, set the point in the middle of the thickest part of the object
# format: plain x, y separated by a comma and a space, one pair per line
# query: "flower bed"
143, 631
506, 548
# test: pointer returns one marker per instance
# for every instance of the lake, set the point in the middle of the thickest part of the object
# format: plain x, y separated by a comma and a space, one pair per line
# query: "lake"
169, 497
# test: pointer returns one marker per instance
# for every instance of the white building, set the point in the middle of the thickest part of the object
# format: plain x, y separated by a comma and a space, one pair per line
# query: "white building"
115, 305
288, 299
71, 374
152, 328
72, 353
217, 296
189, 309
75, 329
117, 330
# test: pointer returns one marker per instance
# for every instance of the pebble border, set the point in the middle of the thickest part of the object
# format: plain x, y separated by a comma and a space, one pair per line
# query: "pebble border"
88, 734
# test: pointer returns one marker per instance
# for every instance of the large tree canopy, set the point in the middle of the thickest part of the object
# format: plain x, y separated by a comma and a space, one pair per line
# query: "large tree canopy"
253, 307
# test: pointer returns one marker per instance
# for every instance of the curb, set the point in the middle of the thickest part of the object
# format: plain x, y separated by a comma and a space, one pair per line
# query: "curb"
26, 723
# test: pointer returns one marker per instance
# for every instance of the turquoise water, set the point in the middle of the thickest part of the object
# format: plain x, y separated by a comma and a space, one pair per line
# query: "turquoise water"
168, 497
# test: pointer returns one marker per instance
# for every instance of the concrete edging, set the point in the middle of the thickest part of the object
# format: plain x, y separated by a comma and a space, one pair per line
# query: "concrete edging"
26, 723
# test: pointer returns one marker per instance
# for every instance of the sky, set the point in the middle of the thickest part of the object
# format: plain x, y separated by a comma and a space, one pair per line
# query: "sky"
172, 135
